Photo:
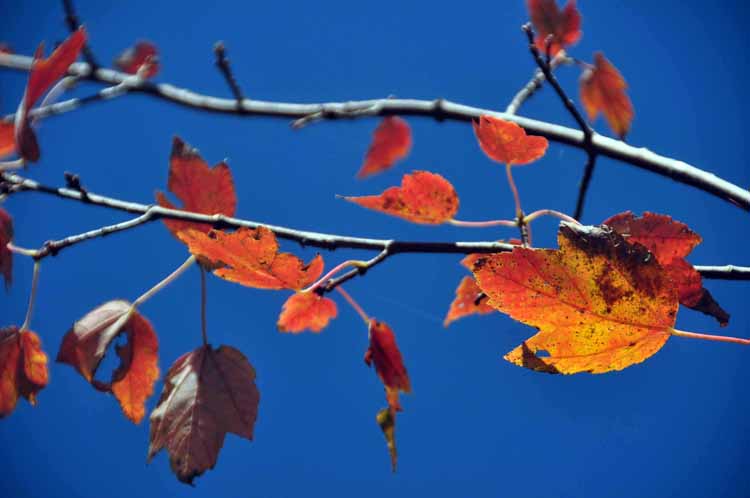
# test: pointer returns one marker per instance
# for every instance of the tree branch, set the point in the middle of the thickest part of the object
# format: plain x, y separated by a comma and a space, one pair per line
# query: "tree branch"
71, 19
583, 188
223, 64
387, 247
438, 109
535, 83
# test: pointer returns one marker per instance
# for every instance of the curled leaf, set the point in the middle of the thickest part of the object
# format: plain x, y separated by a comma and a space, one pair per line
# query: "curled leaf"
6, 256
386, 419
599, 303
207, 393
251, 257
306, 311
390, 143
86, 343
389, 365
131, 60
201, 189
603, 90
564, 25
423, 197
466, 303
670, 242
23, 368
506, 142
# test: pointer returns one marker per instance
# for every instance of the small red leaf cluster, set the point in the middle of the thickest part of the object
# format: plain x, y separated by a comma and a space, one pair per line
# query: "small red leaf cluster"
133, 58
563, 26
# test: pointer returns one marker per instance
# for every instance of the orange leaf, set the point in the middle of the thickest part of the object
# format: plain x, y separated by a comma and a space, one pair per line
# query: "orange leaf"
207, 393
23, 368
6, 256
599, 303
670, 242
603, 90
506, 142
131, 60
465, 302
85, 345
201, 189
390, 143
306, 310
7, 141
251, 257
386, 419
43, 74
389, 365
564, 26
423, 197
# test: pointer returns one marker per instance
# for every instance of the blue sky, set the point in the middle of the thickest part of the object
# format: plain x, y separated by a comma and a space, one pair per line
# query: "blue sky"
475, 425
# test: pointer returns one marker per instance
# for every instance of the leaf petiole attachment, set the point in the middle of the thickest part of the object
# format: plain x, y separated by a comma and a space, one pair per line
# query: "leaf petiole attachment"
354, 304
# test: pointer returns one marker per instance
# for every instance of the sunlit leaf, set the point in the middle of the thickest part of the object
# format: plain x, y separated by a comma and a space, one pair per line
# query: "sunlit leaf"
306, 311
506, 142
251, 257
389, 365
423, 197
7, 141
390, 143
207, 393
6, 256
564, 25
599, 303
131, 60
43, 74
201, 189
671, 241
23, 368
465, 302
603, 90
386, 419
86, 343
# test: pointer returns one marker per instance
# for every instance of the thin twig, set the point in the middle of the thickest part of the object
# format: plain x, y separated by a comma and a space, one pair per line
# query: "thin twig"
222, 62
73, 24
583, 188
316, 239
535, 83
439, 109
360, 270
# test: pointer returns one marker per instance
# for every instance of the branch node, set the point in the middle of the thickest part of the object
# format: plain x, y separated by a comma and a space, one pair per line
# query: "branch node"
222, 62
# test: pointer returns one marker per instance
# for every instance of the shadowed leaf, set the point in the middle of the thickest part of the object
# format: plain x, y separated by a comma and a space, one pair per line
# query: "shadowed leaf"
23, 368
6, 256
386, 419
7, 141
564, 25
131, 60
599, 303
603, 90
207, 393
465, 302
423, 197
507, 143
390, 143
389, 365
306, 311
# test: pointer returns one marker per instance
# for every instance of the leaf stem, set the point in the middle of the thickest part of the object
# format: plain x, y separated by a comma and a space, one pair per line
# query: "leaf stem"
166, 281
482, 224
354, 304
549, 212
32, 296
204, 334
709, 337
514, 189
333, 271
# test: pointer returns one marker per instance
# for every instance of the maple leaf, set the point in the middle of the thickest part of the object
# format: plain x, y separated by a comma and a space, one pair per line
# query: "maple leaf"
465, 302
506, 142
201, 189
670, 242
251, 257
86, 343
43, 74
6, 255
423, 197
389, 365
599, 303
306, 310
390, 143
564, 25
7, 141
23, 368
131, 60
386, 419
207, 393
603, 90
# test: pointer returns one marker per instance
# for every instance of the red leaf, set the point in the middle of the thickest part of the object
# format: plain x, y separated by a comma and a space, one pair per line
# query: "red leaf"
6, 256
131, 60
603, 90
389, 365
23, 368
390, 143
85, 345
465, 302
207, 393
44, 73
200, 188
564, 26
507, 143
306, 310
670, 242
423, 197
7, 140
